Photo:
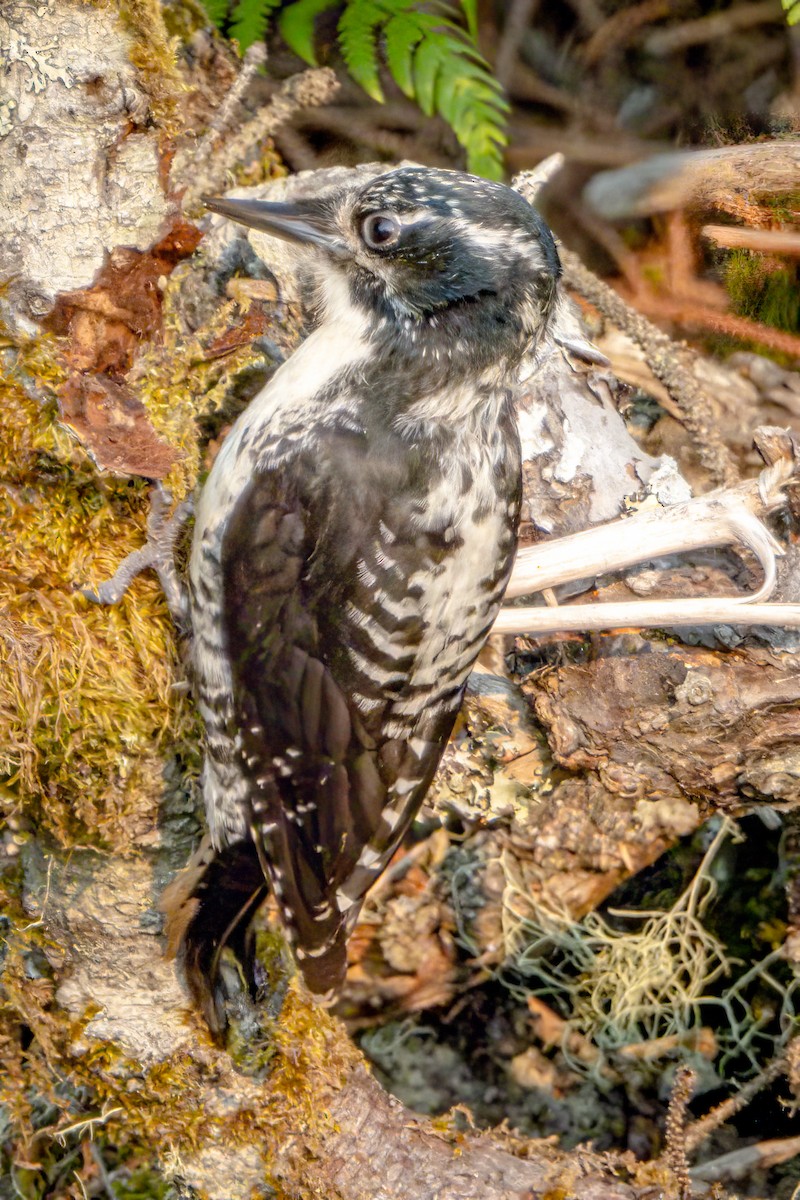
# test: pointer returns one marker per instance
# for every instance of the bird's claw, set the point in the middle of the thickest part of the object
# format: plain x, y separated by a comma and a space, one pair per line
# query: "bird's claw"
163, 530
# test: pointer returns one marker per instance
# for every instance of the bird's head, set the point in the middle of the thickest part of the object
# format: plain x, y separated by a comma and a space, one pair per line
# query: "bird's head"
424, 248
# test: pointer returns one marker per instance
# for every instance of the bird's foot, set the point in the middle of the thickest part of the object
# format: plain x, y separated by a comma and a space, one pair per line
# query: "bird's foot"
163, 530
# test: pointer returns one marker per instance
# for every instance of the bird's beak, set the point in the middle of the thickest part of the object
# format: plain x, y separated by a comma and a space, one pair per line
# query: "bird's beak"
305, 221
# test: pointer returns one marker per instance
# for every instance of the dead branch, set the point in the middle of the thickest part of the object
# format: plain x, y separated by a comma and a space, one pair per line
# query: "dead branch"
618, 30
309, 89
702, 1128
717, 519
724, 517
700, 178
701, 316
762, 241
228, 111
416, 1164
532, 141
740, 1164
645, 614
518, 18
712, 27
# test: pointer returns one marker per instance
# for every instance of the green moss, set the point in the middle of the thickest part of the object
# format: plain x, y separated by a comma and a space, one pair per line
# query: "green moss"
182, 18
763, 291
86, 703
153, 54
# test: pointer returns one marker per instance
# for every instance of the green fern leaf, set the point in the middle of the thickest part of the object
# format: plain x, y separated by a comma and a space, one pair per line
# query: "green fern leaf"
296, 25
358, 37
249, 21
427, 64
402, 35
451, 78
792, 10
217, 11
470, 8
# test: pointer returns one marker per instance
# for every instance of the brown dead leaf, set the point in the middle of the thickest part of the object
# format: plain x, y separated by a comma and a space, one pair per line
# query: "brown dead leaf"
253, 324
113, 425
103, 325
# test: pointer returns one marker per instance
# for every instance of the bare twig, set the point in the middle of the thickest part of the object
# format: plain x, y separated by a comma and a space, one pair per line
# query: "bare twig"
309, 89
682, 1090
621, 28
530, 183
532, 140
526, 85
226, 114
763, 241
740, 1164
625, 260
684, 312
712, 27
296, 150
517, 21
719, 519
703, 178
699, 1130
645, 614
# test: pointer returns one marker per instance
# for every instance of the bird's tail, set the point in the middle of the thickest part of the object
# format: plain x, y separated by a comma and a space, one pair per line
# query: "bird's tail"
209, 906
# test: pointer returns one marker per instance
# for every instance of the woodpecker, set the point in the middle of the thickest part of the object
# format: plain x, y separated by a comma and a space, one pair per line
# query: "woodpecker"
352, 545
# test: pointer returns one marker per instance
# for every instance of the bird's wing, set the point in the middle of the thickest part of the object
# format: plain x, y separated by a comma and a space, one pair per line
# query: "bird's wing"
331, 797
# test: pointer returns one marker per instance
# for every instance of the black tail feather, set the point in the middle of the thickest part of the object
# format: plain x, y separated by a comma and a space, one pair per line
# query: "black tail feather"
209, 908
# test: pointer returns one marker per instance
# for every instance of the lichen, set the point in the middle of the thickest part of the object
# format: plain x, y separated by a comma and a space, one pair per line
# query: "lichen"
653, 978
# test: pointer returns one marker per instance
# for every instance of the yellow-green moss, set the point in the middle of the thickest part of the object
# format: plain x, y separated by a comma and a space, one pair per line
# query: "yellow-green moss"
763, 290
183, 378
87, 705
153, 54
184, 19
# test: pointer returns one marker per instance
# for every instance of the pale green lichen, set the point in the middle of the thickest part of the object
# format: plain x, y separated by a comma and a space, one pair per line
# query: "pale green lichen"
652, 980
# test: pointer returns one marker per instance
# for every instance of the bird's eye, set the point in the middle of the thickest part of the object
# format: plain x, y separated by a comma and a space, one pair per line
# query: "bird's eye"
380, 229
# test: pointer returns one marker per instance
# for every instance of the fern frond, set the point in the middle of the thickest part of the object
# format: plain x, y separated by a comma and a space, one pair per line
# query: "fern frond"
402, 36
452, 78
432, 58
217, 11
470, 8
427, 64
296, 25
249, 21
359, 26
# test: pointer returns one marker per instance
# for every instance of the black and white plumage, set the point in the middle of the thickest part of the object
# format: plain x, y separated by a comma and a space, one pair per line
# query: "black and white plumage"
353, 543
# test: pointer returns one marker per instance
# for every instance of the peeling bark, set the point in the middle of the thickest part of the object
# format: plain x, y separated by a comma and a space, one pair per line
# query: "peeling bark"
79, 167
